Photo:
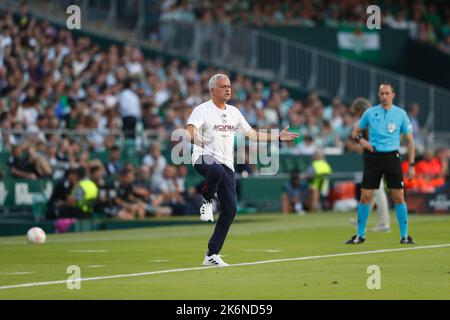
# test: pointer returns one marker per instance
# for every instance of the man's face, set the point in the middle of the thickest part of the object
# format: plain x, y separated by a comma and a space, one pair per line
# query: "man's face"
130, 177
73, 178
18, 151
144, 173
115, 155
222, 91
155, 151
386, 94
182, 171
98, 175
414, 110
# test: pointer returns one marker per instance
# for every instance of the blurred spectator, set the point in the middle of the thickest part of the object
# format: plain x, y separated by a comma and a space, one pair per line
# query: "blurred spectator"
443, 157
104, 203
143, 190
192, 194
294, 194
113, 166
433, 168
445, 44
58, 205
85, 194
59, 161
5, 129
399, 21
357, 109
312, 126
172, 191
31, 167
345, 129
144, 179
318, 177
130, 109
327, 137
431, 172
307, 146
429, 167
155, 161
419, 133
73, 197
129, 204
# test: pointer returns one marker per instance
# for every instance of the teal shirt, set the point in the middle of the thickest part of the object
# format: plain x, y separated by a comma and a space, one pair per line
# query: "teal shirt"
385, 127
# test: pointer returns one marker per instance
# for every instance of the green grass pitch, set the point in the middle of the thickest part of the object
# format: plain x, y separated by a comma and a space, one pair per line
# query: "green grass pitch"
323, 274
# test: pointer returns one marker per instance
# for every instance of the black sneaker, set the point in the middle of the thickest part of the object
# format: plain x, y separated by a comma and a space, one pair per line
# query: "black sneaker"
407, 240
355, 240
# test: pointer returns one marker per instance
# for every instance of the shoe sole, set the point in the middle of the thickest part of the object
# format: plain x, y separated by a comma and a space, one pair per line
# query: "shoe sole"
202, 217
214, 265
351, 242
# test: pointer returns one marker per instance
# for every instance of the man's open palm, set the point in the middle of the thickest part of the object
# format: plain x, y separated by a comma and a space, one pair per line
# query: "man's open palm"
286, 135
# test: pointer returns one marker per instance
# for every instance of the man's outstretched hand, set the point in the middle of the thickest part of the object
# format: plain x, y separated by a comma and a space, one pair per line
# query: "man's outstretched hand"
285, 135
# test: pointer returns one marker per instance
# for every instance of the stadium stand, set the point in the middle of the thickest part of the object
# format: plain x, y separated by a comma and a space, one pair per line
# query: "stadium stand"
67, 103
426, 21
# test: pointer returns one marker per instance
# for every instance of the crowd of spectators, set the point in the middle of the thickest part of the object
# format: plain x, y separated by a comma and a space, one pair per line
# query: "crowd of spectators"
426, 21
63, 98
49, 81
432, 172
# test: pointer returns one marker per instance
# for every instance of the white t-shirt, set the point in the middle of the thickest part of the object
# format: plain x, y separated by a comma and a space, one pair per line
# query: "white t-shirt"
129, 104
217, 127
160, 164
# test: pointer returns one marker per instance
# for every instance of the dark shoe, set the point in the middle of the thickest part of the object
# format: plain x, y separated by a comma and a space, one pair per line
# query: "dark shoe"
355, 240
407, 240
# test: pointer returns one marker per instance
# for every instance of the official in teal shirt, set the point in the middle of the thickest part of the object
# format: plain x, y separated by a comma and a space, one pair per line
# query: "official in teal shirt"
385, 126
385, 123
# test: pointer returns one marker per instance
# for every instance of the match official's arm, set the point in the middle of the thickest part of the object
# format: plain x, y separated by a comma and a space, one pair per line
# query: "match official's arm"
260, 136
358, 138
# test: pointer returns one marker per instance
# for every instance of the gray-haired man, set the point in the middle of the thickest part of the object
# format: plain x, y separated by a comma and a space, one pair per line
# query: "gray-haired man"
211, 128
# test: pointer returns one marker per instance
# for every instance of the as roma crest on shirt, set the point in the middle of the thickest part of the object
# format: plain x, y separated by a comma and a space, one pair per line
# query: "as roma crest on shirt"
391, 127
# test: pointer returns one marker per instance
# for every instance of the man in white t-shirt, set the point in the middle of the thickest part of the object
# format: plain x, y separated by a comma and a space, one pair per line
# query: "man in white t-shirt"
211, 128
155, 161
129, 109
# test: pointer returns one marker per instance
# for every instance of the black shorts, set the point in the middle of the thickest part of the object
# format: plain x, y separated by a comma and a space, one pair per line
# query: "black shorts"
377, 164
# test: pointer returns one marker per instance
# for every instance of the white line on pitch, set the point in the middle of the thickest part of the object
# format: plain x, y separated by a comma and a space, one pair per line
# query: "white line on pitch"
33, 284
16, 273
88, 251
95, 266
264, 250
